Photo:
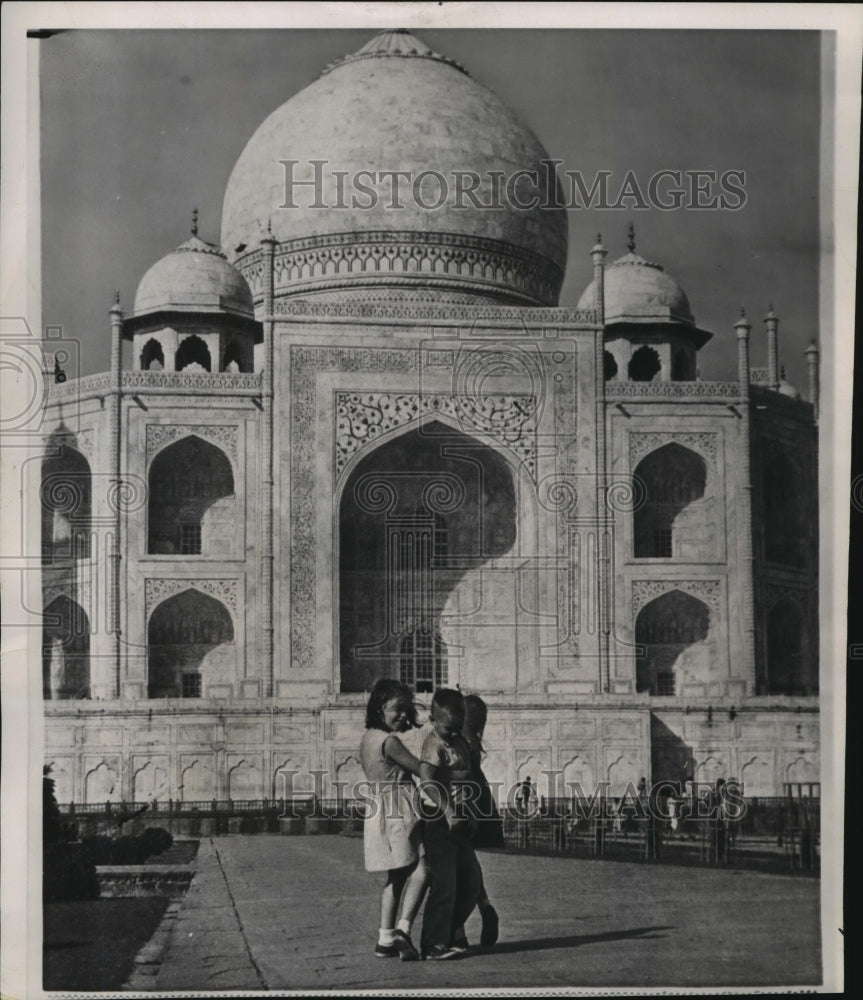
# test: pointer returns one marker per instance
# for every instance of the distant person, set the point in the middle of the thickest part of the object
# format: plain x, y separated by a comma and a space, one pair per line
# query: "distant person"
523, 795
392, 833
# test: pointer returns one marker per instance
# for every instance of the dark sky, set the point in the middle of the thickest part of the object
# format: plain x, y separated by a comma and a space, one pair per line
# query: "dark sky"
140, 126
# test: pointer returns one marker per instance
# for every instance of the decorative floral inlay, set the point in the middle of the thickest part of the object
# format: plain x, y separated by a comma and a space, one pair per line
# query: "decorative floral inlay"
645, 591
640, 444
155, 591
362, 417
225, 436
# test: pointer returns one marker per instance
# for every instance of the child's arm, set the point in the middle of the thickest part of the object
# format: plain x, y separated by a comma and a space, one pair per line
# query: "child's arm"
398, 753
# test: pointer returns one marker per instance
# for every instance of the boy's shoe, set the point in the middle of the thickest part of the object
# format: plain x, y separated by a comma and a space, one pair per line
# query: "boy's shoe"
405, 947
490, 926
440, 953
386, 951
460, 944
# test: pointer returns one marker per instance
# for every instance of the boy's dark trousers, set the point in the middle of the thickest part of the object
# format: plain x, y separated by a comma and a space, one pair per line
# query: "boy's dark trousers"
455, 883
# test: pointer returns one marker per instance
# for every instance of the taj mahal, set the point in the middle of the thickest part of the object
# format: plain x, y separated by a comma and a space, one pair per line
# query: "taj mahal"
355, 442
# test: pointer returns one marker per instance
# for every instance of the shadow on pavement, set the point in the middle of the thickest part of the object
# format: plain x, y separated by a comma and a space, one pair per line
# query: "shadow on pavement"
575, 940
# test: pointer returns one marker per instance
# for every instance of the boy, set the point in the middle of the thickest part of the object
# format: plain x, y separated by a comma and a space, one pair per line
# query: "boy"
454, 873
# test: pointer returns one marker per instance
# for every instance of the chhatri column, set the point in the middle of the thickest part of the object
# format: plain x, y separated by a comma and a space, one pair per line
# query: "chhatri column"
771, 321
598, 254
268, 243
116, 314
744, 532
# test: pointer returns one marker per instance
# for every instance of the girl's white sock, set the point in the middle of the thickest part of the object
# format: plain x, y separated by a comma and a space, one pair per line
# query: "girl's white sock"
385, 936
405, 926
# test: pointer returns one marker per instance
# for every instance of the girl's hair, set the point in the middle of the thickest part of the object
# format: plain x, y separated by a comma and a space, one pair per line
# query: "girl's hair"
475, 714
385, 689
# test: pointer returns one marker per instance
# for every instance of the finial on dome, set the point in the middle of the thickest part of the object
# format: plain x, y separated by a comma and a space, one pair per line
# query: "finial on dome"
782, 373
630, 232
194, 222
117, 297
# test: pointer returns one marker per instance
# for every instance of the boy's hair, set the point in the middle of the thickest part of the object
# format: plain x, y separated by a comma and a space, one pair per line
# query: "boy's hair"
385, 689
449, 700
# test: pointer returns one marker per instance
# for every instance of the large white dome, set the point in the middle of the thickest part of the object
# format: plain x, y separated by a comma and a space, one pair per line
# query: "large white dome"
397, 106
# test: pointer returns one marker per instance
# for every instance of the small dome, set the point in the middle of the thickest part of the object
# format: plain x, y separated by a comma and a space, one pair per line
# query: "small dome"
638, 291
786, 388
196, 277
398, 106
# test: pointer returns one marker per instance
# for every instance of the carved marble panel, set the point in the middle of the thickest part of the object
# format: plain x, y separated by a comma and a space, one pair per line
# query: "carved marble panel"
645, 591
157, 590
640, 444
224, 436
361, 418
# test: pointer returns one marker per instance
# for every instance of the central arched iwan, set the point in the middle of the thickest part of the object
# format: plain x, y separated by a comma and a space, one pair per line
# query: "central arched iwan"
416, 514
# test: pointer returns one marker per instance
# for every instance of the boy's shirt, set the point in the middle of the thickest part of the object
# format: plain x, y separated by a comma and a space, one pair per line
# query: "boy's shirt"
456, 756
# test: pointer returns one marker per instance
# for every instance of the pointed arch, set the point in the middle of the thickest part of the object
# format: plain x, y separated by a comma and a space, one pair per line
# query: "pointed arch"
235, 357
190, 644
66, 504
152, 356
644, 365
786, 525
671, 636
670, 524
394, 578
789, 671
193, 351
65, 651
187, 480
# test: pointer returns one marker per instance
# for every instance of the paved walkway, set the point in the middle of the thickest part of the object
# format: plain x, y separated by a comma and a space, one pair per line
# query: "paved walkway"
282, 913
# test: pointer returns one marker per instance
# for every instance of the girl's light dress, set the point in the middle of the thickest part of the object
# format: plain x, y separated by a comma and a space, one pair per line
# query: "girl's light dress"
392, 833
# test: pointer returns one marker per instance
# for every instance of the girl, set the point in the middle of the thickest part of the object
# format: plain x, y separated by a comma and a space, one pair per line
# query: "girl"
392, 833
487, 825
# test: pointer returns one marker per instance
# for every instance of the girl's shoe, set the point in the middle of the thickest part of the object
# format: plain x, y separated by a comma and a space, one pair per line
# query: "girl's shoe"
386, 951
405, 947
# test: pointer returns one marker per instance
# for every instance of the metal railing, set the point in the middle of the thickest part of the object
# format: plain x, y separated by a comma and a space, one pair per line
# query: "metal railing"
775, 833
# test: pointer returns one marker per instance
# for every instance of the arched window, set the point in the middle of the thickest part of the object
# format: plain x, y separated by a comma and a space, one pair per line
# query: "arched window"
189, 513
234, 359
788, 671
185, 631
665, 631
65, 496
673, 478
152, 357
609, 365
422, 660
644, 365
65, 650
193, 352
785, 523
680, 367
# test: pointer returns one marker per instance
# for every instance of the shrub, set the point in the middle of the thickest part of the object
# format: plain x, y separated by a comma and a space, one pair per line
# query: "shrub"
68, 874
156, 840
